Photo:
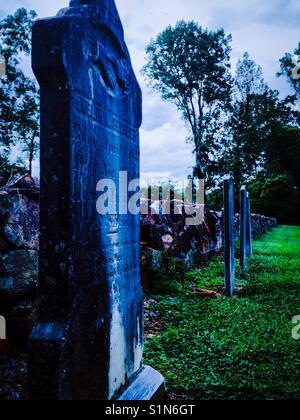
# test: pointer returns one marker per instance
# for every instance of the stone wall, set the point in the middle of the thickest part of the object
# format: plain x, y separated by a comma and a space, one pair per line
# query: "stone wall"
162, 238
19, 230
260, 224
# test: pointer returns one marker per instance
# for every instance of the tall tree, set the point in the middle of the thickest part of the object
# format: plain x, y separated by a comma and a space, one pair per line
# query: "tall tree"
27, 126
283, 153
19, 123
290, 68
190, 67
254, 109
262, 145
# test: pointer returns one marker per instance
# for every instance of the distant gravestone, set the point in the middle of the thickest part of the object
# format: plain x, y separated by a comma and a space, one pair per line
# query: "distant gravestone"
229, 237
249, 227
244, 229
88, 341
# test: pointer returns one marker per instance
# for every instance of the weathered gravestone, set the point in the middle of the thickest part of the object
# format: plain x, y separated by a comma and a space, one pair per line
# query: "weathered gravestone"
249, 227
244, 228
229, 237
88, 341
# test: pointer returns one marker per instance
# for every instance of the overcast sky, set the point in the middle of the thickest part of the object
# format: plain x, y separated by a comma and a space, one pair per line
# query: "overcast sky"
266, 29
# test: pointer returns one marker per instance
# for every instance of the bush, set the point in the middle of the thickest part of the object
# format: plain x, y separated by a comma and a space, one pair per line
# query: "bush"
276, 196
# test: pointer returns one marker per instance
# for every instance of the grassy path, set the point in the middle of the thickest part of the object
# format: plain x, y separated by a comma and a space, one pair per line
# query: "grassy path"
240, 348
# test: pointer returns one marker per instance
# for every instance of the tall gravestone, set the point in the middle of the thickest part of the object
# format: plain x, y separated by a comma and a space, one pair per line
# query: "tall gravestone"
244, 228
229, 237
249, 227
88, 341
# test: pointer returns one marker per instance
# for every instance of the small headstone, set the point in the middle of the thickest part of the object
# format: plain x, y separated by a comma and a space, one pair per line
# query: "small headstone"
229, 237
249, 227
88, 341
244, 228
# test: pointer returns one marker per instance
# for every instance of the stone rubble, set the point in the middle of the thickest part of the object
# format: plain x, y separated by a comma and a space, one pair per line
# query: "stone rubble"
168, 236
162, 237
19, 232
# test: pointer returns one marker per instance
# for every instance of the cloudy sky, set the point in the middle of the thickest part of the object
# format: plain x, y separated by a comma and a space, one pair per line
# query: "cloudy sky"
266, 29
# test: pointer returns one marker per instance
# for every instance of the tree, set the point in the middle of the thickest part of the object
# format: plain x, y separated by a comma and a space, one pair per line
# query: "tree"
275, 196
261, 147
242, 144
282, 152
290, 68
27, 126
190, 67
19, 121
256, 114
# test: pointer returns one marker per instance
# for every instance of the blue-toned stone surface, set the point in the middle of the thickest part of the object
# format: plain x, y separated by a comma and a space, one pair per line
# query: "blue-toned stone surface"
249, 227
88, 342
229, 235
244, 228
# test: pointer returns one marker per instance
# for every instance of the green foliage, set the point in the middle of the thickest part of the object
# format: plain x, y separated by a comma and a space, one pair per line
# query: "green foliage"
7, 168
207, 279
214, 199
257, 114
276, 196
282, 153
262, 145
190, 67
171, 276
249, 79
19, 112
15, 33
289, 67
239, 126
238, 348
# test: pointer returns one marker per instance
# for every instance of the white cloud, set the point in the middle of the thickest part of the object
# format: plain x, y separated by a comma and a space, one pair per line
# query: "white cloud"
165, 152
266, 29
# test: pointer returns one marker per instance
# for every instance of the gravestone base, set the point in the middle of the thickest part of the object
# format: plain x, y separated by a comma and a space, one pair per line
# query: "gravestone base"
148, 385
47, 342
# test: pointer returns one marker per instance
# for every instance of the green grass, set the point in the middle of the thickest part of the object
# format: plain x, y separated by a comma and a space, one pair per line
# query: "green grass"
240, 348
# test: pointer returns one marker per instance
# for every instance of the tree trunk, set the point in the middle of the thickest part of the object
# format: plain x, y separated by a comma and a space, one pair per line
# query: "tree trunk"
200, 167
30, 162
